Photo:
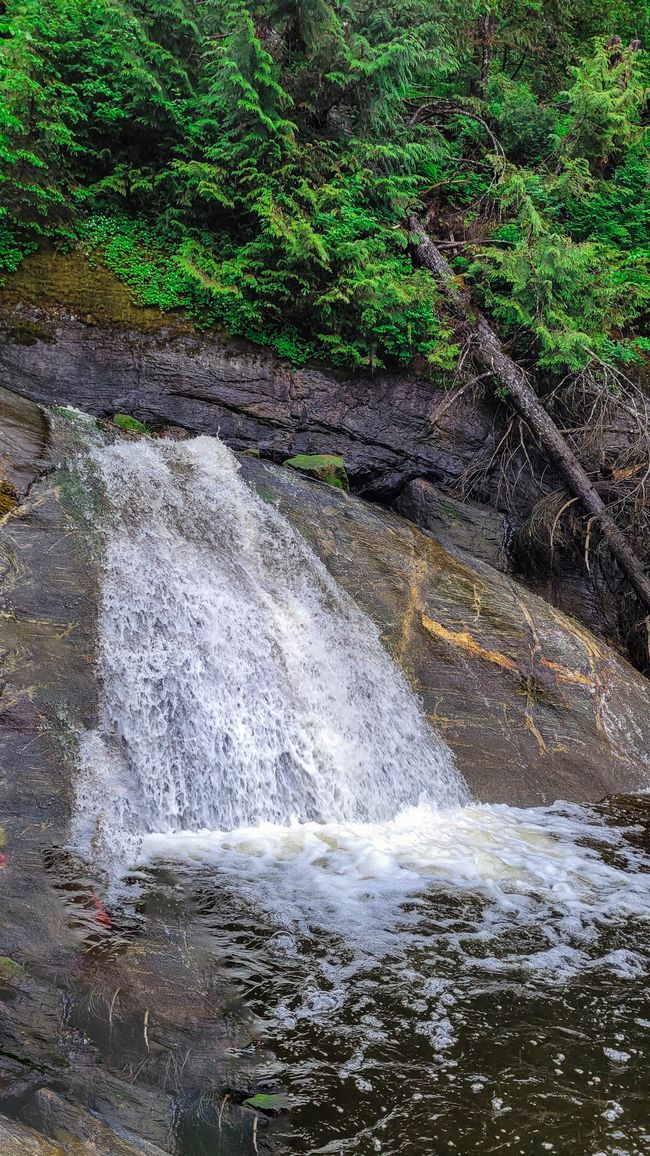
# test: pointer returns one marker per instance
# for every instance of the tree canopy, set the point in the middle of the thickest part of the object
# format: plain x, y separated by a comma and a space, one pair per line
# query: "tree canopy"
255, 162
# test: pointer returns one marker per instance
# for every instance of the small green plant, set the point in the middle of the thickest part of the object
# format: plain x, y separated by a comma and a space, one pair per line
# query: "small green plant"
272, 1103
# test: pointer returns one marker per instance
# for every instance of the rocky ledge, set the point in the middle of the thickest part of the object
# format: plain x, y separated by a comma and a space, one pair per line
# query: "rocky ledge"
388, 428
110, 1033
70, 333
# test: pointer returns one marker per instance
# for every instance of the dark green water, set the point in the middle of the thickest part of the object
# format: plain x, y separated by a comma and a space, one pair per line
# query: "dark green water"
438, 1020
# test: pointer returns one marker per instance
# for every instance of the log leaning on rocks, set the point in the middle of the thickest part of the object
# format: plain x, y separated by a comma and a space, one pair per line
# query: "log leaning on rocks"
490, 355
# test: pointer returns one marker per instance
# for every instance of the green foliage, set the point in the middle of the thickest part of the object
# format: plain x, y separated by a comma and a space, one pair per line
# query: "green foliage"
254, 163
616, 211
603, 106
571, 265
272, 1103
524, 125
130, 424
569, 294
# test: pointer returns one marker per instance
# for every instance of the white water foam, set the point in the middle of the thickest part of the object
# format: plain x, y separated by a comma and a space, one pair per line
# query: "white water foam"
537, 888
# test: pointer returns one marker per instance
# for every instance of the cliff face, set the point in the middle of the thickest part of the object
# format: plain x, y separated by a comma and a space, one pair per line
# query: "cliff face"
389, 429
71, 334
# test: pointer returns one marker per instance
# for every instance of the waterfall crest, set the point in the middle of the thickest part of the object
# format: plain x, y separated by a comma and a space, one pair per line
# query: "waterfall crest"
240, 684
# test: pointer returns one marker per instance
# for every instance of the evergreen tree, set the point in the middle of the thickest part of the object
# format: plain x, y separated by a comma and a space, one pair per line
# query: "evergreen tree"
256, 161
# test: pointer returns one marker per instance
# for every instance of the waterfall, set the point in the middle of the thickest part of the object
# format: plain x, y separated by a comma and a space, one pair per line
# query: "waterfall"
261, 770
253, 729
240, 685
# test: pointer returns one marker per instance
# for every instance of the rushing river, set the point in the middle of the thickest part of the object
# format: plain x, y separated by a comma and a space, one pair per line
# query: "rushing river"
429, 975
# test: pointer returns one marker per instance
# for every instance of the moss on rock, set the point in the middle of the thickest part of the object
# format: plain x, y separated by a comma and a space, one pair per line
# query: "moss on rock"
126, 422
10, 971
8, 498
329, 468
85, 288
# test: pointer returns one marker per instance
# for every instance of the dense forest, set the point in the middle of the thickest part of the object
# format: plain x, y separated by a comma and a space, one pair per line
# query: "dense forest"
257, 164
459, 188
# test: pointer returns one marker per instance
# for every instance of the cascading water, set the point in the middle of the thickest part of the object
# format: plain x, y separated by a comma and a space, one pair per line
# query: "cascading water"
240, 685
248, 707
255, 735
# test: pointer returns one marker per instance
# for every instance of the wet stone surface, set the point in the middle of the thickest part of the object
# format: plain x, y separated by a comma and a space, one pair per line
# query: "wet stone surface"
533, 706
125, 1018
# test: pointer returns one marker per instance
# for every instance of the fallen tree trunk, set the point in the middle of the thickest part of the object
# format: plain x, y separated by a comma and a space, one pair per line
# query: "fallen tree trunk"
489, 353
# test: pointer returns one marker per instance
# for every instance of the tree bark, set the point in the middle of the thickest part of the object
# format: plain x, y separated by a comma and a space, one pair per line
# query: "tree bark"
487, 26
489, 353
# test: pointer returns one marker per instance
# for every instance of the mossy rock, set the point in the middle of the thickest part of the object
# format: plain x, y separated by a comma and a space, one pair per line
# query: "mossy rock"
10, 971
76, 418
329, 468
131, 424
8, 498
87, 289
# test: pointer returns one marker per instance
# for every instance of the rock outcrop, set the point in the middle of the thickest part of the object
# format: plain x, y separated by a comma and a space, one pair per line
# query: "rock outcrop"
479, 530
389, 428
71, 333
533, 706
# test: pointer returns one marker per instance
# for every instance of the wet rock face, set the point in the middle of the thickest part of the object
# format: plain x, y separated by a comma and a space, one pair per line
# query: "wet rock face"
534, 707
24, 443
16, 1140
600, 597
478, 530
388, 428
92, 1016
90, 1136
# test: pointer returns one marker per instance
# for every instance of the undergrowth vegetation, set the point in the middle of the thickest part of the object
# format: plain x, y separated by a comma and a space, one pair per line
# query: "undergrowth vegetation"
255, 164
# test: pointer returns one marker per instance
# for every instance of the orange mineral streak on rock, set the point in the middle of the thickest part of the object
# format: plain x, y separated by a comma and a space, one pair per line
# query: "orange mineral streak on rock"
530, 725
466, 641
565, 674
